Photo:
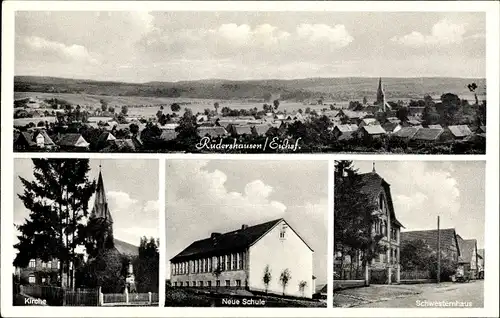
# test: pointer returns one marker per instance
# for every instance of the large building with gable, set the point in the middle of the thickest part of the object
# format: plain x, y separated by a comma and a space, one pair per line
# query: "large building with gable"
238, 260
385, 266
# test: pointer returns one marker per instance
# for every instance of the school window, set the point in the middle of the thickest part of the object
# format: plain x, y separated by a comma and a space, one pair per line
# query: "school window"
235, 262
32, 263
194, 283
200, 283
217, 283
221, 262
180, 284
238, 283
240, 260
187, 284
228, 283
175, 284
228, 263
207, 261
209, 265
209, 283
31, 279
283, 232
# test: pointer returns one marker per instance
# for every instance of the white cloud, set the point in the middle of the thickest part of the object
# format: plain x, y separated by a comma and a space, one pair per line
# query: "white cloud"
443, 32
73, 52
322, 33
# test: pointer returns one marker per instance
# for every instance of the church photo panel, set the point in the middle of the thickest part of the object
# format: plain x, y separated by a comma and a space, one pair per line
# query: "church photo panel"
86, 232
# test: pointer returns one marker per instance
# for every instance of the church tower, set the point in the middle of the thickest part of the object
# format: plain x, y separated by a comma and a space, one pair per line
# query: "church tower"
380, 95
100, 211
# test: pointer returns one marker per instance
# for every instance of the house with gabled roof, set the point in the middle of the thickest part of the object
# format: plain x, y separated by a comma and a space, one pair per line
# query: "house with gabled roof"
468, 260
385, 267
344, 132
27, 140
391, 127
238, 260
450, 247
427, 135
406, 133
72, 141
236, 130
261, 129
371, 132
456, 132
213, 132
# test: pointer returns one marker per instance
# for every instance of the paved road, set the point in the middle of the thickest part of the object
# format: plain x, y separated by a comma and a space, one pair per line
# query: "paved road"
472, 292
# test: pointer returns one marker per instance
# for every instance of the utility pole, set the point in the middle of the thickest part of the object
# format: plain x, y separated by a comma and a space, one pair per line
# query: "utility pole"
438, 253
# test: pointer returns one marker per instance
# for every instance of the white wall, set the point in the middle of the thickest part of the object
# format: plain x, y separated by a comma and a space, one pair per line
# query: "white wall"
291, 253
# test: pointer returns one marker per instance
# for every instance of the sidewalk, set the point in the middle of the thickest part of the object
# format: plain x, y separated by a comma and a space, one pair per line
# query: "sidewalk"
375, 293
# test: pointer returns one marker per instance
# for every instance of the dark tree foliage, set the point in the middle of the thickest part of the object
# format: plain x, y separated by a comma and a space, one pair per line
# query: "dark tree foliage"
108, 270
146, 266
187, 130
57, 199
353, 219
414, 255
175, 107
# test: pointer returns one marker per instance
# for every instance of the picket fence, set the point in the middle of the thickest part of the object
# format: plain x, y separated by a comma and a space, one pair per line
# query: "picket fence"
57, 296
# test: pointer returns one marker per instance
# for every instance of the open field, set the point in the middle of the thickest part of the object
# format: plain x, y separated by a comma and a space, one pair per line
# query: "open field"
150, 105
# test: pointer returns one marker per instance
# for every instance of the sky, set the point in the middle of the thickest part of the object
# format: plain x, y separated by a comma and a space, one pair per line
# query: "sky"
131, 192
219, 196
422, 190
140, 46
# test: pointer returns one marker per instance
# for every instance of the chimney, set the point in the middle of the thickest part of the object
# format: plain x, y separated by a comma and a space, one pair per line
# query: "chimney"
214, 235
244, 226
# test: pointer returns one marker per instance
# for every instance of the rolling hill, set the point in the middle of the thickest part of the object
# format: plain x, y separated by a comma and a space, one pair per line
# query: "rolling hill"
338, 89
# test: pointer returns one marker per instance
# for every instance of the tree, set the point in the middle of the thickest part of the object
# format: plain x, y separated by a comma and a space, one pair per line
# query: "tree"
187, 131
111, 109
302, 287
104, 105
276, 104
134, 129
216, 106
57, 199
124, 110
402, 114
161, 108
285, 278
353, 218
414, 255
267, 277
300, 111
147, 266
175, 107
217, 272
472, 87
365, 101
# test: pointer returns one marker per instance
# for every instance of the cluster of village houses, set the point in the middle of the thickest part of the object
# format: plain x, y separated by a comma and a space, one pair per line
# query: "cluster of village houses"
385, 267
372, 122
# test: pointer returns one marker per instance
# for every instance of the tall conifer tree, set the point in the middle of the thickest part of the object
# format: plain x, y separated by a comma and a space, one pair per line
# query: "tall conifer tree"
57, 199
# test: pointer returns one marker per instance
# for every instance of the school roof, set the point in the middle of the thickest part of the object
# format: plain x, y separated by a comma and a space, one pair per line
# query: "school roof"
372, 182
430, 237
460, 130
427, 134
227, 242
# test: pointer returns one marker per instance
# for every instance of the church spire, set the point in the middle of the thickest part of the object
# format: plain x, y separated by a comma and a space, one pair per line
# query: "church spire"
100, 209
380, 95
